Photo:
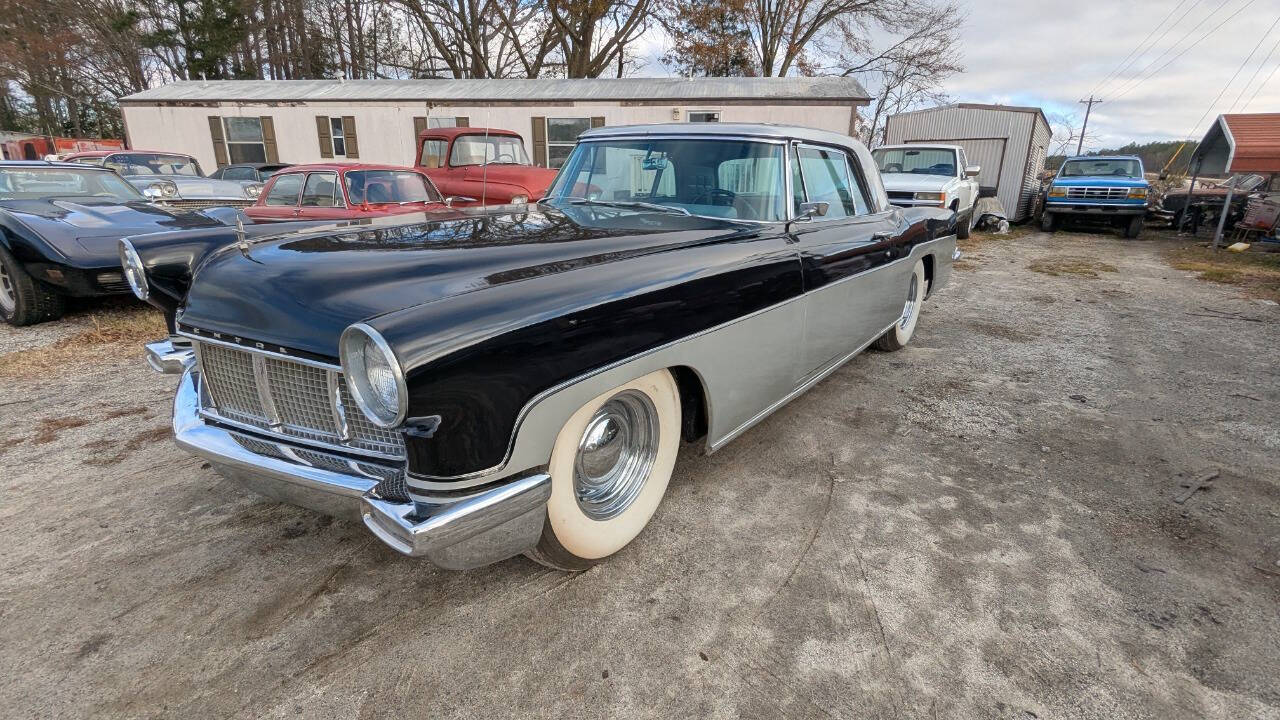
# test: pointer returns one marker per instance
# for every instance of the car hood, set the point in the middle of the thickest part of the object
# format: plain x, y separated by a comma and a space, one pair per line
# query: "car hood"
86, 230
911, 182
192, 187
301, 291
534, 179
1100, 181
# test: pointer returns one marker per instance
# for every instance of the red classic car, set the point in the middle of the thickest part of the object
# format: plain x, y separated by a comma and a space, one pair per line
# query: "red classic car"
482, 166
344, 191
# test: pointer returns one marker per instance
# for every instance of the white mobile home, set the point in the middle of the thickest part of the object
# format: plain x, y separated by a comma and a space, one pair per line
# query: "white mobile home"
1009, 142
301, 121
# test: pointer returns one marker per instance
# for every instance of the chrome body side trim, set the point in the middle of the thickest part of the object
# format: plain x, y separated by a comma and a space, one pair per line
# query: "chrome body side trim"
459, 533
748, 367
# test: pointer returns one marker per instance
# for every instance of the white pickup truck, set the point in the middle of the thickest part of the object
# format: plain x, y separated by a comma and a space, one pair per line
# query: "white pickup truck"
931, 175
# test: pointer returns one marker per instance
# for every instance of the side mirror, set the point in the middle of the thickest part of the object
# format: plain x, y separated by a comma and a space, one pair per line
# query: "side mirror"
810, 210
972, 171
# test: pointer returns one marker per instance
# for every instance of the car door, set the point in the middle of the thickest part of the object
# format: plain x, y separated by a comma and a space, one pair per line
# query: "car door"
322, 198
433, 159
280, 199
846, 256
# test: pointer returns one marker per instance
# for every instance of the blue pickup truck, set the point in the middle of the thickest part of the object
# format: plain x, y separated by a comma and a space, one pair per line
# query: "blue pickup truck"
1108, 190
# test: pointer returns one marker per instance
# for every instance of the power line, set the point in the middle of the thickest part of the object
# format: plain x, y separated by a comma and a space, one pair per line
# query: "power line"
1185, 50
1259, 88
1234, 75
1258, 69
1133, 58
1125, 62
1195, 26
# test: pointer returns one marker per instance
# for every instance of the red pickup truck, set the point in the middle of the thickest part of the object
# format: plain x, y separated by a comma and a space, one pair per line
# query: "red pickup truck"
481, 166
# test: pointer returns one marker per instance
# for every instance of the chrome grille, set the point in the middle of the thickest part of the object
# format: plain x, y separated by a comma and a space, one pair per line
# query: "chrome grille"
1097, 193
289, 398
201, 204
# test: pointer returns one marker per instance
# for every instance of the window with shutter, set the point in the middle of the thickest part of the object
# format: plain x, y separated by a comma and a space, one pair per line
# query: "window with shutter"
219, 143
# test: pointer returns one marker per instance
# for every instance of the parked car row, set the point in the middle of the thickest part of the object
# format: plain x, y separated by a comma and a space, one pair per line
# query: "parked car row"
476, 383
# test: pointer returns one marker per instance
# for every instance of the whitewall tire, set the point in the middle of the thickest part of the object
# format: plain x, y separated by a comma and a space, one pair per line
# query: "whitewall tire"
913, 301
609, 471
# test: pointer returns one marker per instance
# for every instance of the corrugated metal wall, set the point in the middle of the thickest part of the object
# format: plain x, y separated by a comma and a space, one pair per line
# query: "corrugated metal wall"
974, 129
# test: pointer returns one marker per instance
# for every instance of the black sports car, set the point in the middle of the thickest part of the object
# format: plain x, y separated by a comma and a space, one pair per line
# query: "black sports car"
61, 223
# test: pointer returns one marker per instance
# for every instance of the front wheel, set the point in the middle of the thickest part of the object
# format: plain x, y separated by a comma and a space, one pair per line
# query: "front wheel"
1047, 222
964, 227
609, 471
23, 299
900, 334
1134, 228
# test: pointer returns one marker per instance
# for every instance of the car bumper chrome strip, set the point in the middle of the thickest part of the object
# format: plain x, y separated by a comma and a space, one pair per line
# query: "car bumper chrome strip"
458, 533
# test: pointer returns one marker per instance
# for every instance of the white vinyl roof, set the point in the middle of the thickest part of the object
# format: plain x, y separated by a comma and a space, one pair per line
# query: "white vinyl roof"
818, 90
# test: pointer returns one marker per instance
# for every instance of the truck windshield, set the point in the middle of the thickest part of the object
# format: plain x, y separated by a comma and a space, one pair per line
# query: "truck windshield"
713, 178
924, 161
41, 183
1096, 168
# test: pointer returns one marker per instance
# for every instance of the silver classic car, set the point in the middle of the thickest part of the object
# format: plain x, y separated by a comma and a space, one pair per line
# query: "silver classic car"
520, 380
173, 180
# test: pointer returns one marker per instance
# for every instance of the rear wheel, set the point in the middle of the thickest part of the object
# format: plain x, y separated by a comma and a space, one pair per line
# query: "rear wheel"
609, 471
900, 334
23, 299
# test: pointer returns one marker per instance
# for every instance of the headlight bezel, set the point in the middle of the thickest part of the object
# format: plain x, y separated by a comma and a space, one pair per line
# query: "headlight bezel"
1137, 193
160, 190
938, 197
253, 191
1057, 191
135, 272
354, 372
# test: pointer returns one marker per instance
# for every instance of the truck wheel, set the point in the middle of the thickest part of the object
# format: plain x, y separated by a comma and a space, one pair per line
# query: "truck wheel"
610, 466
23, 299
965, 224
900, 334
1134, 229
1047, 222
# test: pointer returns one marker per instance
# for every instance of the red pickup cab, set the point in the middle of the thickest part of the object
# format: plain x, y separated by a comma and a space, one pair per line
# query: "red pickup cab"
481, 166
344, 191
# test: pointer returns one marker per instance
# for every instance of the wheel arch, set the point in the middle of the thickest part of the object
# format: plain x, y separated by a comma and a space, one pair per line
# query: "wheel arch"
694, 408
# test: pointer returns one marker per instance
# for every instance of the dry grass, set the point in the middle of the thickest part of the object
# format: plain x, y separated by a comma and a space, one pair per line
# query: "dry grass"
1258, 274
1070, 265
113, 332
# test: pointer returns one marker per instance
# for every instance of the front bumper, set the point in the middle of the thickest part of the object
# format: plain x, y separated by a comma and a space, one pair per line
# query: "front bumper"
457, 532
1094, 210
905, 203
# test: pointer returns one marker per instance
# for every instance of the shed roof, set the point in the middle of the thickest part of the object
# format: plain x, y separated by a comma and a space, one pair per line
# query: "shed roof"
982, 106
817, 89
1241, 143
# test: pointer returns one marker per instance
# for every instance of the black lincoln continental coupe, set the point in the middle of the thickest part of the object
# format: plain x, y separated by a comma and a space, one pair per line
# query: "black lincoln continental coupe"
59, 228
519, 380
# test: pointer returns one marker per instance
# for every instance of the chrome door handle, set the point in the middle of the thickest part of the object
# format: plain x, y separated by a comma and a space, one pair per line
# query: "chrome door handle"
881, 236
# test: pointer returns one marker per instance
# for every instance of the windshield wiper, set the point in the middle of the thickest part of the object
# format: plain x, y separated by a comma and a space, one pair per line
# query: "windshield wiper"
633, 204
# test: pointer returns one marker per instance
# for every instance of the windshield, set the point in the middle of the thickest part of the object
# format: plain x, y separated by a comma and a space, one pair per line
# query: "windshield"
717, 178
1094, 168
42, 183
495, 150
925, 161
153, 164
381, 187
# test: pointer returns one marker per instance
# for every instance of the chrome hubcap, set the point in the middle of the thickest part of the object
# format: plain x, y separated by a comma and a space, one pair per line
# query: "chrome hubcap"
8, 300
615, 454
909, 310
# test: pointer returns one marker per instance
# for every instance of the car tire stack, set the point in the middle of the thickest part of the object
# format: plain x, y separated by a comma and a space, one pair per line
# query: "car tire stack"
23, 299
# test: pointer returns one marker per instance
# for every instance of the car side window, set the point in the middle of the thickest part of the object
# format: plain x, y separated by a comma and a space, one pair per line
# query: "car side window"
284, 191
217, 174
433, 152
826, 179
319, 190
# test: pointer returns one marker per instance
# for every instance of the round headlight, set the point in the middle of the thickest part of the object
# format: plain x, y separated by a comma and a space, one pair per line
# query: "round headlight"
253, 191
373, 375
134, 271
519, 199
153, 192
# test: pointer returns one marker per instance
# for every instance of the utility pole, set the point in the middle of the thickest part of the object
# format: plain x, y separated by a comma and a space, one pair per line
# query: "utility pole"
1090, 103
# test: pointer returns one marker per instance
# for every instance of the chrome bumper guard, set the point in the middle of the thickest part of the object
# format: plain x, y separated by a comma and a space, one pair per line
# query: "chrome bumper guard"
491, 525
171, 357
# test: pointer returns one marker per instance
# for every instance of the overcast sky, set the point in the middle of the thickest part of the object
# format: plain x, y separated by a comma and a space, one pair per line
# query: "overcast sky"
1052, 54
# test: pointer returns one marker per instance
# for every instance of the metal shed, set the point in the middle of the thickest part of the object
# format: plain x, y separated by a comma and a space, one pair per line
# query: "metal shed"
1009, 142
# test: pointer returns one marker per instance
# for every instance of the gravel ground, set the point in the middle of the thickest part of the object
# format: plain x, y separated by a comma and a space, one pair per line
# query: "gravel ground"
979, 526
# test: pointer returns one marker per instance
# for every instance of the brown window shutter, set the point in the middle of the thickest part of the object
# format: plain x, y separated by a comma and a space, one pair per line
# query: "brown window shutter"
269, 139
419, 124
219, 143
597, 121
540, 141
349, 133
462, 121
326, 139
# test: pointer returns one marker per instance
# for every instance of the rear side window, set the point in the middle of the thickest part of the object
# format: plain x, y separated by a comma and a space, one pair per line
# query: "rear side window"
319, 190
284, 191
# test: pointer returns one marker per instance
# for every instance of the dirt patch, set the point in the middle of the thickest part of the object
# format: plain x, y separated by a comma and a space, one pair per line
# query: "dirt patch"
125, 412
1258, 274
112, 334
1070, 265
50, 427
1004, 332
143, 439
